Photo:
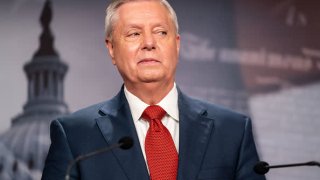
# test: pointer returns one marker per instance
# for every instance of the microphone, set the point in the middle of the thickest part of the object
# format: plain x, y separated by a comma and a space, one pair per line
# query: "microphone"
124, 143
263, 167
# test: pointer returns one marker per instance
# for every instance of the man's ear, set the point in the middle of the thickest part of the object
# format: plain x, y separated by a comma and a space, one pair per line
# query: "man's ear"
178, 42
109, 45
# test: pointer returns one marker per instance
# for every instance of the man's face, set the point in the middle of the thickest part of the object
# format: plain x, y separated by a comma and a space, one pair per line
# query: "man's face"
144, 44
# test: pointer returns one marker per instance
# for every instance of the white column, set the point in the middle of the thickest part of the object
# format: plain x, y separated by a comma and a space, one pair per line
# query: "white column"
59, 86
31, 86
50, 84
41, 84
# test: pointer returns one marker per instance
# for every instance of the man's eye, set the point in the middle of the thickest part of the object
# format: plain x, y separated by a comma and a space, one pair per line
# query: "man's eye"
163, 33
134, 34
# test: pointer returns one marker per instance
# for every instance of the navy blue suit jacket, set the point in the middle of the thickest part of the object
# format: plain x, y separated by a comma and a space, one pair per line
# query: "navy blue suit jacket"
214, 143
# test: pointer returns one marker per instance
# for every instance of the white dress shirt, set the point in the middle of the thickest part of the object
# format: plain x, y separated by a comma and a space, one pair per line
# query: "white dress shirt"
171, 120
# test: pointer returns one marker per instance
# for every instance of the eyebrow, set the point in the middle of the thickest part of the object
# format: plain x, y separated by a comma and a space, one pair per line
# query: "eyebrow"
140, 25
137, 26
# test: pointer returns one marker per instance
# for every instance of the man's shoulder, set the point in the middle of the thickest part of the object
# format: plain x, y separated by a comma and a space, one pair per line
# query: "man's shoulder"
91, 110
95, 110
216, 111
85, 116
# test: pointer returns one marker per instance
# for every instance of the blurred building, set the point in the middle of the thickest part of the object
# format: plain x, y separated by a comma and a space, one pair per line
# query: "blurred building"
10, 167
28, 138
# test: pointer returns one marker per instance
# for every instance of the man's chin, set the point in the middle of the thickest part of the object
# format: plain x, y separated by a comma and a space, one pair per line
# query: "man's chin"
151, 77
150, 80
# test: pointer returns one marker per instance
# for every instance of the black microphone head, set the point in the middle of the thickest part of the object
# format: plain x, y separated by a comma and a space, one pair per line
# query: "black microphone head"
261, 167
126, 142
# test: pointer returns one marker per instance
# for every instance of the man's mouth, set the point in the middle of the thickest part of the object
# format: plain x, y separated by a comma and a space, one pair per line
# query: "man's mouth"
148, 61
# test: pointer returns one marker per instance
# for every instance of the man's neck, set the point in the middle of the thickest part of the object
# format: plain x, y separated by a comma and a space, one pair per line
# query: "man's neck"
150, 93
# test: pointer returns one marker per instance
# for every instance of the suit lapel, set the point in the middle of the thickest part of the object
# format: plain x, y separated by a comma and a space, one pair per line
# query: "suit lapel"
195, 130
116, 123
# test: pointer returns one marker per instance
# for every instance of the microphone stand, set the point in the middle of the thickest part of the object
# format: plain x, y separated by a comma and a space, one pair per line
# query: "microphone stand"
263, 167
124, 143
311, 163
85, 156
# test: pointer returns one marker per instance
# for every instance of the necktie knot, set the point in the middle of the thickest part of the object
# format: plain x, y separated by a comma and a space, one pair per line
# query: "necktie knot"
153, 112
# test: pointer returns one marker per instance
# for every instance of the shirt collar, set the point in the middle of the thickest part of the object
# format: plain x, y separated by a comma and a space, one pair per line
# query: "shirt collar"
169, 103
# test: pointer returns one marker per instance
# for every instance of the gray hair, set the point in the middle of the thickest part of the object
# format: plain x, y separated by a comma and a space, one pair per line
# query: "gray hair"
115, 4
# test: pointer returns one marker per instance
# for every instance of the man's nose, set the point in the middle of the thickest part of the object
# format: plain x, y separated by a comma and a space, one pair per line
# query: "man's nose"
149, 42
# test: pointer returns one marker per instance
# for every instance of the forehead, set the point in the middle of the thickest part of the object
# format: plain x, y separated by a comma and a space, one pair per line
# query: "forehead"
142, 11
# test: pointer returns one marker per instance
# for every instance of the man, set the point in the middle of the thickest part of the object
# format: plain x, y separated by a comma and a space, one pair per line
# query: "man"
175, 137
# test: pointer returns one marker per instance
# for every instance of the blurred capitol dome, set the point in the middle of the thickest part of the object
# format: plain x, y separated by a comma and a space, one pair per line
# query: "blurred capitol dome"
10, 167
28, 138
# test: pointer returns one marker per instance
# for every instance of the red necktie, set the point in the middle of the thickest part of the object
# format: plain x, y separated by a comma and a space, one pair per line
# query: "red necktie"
162, 156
